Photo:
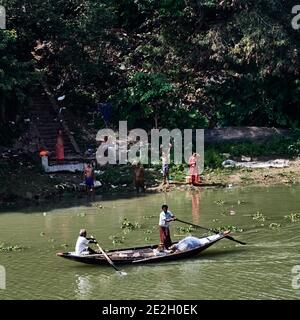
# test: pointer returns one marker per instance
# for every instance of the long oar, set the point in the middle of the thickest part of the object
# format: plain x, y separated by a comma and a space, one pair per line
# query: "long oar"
122, 273
211, 230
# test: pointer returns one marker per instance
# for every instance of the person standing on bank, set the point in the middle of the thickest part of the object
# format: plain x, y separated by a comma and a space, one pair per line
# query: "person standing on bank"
89, 181
59, 147
138, 177
164, 231
165, 158
194, 172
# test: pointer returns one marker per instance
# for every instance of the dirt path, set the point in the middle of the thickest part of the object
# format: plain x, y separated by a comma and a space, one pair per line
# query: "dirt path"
265, 176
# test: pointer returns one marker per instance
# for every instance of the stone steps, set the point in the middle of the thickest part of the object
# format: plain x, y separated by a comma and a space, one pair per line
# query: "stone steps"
47, 123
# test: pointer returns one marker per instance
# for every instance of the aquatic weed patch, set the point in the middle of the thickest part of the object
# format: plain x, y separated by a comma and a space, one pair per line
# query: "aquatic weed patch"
219, 202
127, 225
293, 217
11, 248
258, 216
117, 239
185, 230
274, 226
231, 228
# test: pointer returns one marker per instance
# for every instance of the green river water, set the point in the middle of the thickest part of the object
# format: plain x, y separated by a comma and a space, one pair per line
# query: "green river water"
260, 270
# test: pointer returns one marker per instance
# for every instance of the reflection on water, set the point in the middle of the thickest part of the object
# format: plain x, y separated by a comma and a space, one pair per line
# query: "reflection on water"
259, 270
83, 286
195, 207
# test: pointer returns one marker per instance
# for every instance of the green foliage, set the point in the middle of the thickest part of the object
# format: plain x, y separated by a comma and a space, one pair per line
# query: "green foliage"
128, 226
178, 171
114, 177
231, 228
294, 148
258, 216
255, 50
293, 217
219, 202
185, 230
15, 76
213, 158
81, 214
274, 226
277, 147
170, 63
116, 239
148, 96
5, 248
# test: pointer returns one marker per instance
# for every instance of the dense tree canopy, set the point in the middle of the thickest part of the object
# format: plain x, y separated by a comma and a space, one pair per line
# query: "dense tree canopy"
179, 63
15, 77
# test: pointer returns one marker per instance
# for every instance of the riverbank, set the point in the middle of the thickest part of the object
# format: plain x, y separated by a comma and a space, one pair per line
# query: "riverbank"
23, 182
249, 176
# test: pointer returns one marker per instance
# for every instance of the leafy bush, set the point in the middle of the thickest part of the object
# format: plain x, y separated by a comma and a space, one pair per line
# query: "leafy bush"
213, 158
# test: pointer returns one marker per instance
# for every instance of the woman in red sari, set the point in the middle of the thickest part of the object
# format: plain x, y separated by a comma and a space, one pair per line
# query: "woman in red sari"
59, 147
194, 173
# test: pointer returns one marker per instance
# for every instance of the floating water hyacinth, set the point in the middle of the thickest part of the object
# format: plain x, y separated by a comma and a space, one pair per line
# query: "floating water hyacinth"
126, 224
219, 202
81, 214
259, 217
230, 228
293, 217
184, 230
274, 225
116, 239
4, 248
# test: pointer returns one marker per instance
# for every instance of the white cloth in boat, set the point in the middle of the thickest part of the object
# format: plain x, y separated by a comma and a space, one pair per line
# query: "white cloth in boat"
81, 246
159, 253
190, 242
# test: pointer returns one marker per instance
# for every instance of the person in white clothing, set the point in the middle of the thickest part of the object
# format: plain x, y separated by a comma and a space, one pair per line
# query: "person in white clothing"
165, 158
82, 244
164, 231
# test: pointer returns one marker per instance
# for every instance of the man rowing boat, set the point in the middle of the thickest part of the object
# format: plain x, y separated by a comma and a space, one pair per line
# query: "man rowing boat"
82, 244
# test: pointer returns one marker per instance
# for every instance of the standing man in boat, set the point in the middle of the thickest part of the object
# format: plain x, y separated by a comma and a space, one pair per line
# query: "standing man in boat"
82, 244
164, 231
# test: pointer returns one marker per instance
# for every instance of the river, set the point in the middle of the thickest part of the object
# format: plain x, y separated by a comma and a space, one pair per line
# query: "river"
262, 269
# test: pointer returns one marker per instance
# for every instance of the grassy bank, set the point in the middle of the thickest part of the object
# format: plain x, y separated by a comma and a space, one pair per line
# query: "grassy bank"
23, 182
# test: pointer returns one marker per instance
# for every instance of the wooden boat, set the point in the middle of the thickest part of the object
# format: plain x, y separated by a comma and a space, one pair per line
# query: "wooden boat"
138, 255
